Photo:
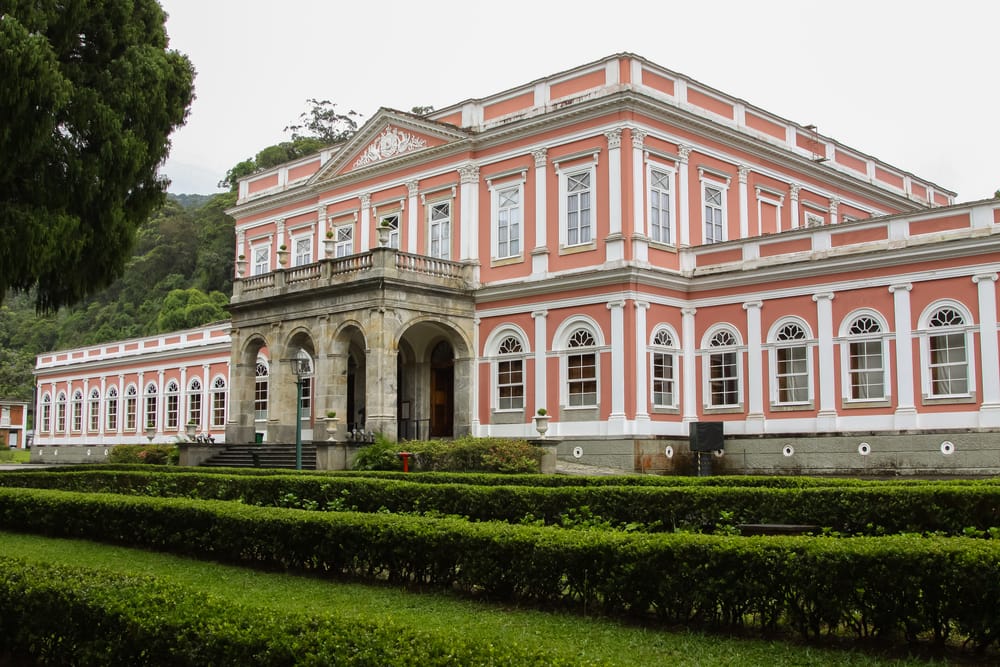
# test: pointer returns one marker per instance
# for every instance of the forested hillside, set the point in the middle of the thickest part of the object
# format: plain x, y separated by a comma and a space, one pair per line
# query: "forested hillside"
180, 275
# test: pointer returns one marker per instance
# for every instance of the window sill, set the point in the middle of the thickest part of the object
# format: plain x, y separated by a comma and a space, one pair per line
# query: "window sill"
665, 410
507, 261
666, 247
573, 249
723, 410
848, 404
948, 400
792, 407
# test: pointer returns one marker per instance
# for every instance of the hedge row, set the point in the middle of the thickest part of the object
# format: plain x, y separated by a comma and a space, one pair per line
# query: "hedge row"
850, 510
912, 587
56, 615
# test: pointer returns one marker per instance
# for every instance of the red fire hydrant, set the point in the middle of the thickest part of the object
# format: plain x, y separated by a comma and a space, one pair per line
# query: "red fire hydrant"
406, 460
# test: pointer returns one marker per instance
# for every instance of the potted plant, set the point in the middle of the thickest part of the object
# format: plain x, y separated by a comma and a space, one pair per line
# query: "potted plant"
383, 233
190, 429
542, 421
282, 254
330, 243
331, 427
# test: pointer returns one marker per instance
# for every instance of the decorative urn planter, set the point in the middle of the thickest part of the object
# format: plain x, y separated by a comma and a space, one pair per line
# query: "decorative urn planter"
542, 423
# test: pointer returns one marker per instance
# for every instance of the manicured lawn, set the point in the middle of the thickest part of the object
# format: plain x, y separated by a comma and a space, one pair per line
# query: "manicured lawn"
586, 640
8, 455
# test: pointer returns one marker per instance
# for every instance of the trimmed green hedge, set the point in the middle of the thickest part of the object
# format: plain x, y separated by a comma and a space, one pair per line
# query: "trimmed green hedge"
55, 615
869, 509
890, 587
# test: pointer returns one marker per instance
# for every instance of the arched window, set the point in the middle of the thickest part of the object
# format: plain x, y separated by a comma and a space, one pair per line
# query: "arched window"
61, 413
172, 397
77, 411
307, 384
947, 353
663, 350
791, 370
510, 374
151, 403
194, 402
111, 411
866, 366
219, 402
46, 413
131, 408
581, 369
723, 370
94, 411
260, 391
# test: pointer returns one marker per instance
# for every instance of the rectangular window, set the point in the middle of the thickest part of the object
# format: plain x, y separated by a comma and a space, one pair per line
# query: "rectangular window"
261, 260
303, 251
866, 370
194, 407
581, 371
130, 413
5, 416
112, 414
663, 379
218, 408
949, 367
508, 229
173, 407
578, 209
46, 417
392, 222
306, 397
95, 415
61, 417
260, 398
77, 415
724, 383
715, 218
151, 411
510, 385
793, 375
659, 206
440, 230
344, 245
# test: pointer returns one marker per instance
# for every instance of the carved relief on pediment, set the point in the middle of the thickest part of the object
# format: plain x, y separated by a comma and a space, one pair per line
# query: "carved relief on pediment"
390, 143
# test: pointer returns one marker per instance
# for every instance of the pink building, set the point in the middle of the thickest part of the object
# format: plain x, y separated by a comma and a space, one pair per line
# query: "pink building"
13, 423
631, 250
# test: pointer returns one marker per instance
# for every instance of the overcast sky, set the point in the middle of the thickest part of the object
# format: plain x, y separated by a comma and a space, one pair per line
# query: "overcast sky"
912, 82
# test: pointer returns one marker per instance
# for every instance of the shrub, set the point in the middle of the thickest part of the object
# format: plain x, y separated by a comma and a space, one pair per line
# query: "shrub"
148, 454
380, 455
469, 454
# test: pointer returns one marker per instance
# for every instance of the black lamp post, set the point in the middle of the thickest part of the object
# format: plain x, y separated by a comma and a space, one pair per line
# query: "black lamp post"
301, 368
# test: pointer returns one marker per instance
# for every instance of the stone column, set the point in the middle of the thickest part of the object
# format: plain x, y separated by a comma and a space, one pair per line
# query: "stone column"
826, 418
469, 217
684, 197
906, 413
380, 376
540, 253
614, 246
989, 356
754, 387
617, 419
689, 353
640, 240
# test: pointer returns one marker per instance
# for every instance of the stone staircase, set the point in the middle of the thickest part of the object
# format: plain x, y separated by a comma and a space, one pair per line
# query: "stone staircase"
263, 456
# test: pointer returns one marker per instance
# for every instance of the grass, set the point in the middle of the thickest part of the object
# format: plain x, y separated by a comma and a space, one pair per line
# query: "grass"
583, 639
8, 455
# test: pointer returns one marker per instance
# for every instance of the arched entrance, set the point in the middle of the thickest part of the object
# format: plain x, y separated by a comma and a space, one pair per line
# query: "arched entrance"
442, 395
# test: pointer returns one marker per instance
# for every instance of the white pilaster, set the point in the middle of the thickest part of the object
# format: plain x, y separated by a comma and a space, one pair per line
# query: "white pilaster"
541, 347
412, 211
366, 222
826, 419
474, 380
206, 395
834, 215
989, 355
641, 380
616, 421
121, 407
906, 413
744, 202
319, 233
614, 246
469, 213
640, 243
795, 187
755, 377
689, 352
683, 197
540, 254
161, 403
182, 403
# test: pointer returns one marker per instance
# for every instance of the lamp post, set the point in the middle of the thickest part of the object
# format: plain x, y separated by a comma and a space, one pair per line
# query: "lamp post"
301, 368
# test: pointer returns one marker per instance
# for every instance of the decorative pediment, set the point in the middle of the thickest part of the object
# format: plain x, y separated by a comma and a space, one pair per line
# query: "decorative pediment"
388, 134
390, 143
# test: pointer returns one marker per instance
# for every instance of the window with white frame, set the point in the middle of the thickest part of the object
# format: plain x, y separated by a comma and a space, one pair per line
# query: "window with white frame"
173, 404
866, 365
507, 216
151, 403
510, 374
663, 351
46, 413
715, 212
131, 408
440, 230
344, 243
194, 402
111, 410
260, 391
723, 370
791, 365
660, 228
94, 411
392, 222
61, 413
579, 208
581, 369
77, 411
219, 402
261, 259
303, 250
947, 357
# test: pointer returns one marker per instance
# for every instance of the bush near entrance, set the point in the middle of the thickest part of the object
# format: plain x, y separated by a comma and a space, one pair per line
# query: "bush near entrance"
467, 454
147, 454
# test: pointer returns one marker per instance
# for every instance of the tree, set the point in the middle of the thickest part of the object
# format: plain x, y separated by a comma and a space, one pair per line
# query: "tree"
187, 308
89, 95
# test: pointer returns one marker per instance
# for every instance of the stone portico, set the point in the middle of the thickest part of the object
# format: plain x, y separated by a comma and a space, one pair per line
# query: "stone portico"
389, 334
